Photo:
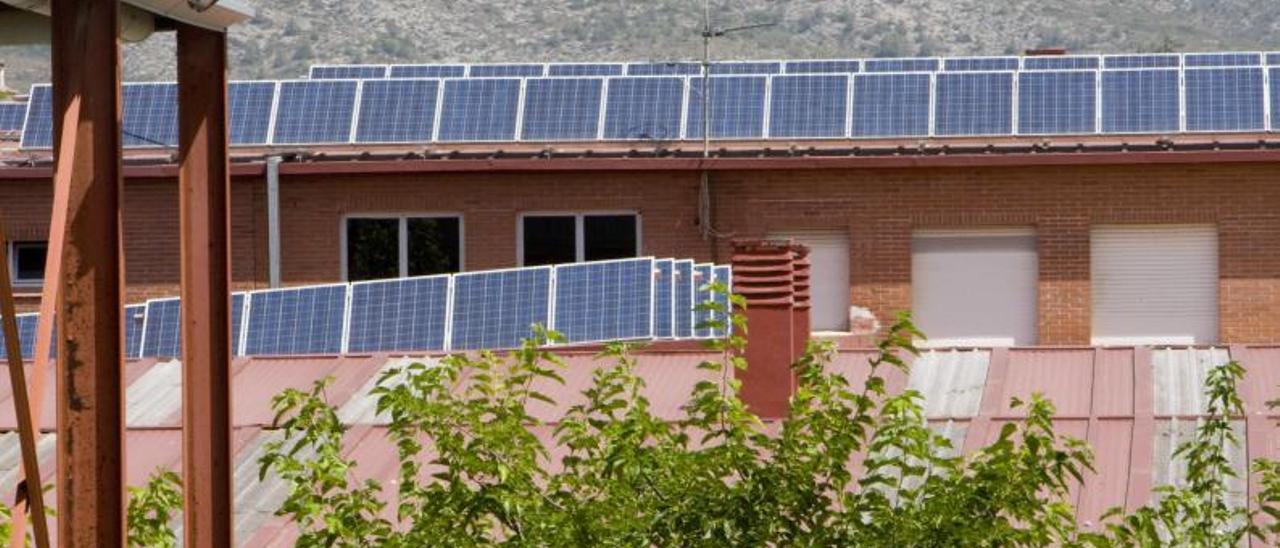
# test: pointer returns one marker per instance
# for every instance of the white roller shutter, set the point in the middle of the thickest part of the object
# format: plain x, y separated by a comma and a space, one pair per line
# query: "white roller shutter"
829, 278
975, 288
1155, 284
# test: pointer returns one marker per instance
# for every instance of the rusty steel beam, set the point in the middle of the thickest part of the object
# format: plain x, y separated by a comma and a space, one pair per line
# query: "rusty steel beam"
90, 447
204, 187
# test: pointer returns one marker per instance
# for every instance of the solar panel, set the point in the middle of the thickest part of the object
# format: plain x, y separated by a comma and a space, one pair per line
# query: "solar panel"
149, 115
353, 72
237, 321
703, 276
38, 130
737, 107
427, 71
1222, 60
479, 110
1224, 99
972, 64
12, 115
663, 298
27, 324
723, 274
605, 300
1057, 102
890, 105
305, 320
1141, 61
562, 108
974, 103
811, 106
134, 316
644, 108
512, 70
1061, 62
315, 112
162, 329
497, 309
900, 65
1275, 99
402, 314
1137, 101
1273, 58
585, 69
664, 69
820, 66
249, 111
397, 111
682, 299
746, 67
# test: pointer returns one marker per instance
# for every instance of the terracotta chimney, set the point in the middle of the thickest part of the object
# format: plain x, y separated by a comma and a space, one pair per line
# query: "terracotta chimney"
802, 301
763, 274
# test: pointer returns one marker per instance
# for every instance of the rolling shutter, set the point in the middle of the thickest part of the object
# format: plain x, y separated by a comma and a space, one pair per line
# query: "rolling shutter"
975, 288
829, 281
1155, 284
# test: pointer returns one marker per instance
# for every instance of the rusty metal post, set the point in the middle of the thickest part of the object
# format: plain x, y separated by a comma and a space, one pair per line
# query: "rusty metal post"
204, 189
763, 276
86, 70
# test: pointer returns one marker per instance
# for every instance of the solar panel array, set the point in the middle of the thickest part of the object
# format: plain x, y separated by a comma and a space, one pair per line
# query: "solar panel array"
803, 99
12, 116
594, 302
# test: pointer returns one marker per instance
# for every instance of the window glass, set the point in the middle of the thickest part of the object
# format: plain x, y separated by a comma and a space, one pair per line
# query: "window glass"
609, 237
550, 240
434, 246
373, 249
28, 259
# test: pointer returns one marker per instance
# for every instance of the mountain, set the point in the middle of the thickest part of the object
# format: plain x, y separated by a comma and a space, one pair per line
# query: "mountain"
287, 37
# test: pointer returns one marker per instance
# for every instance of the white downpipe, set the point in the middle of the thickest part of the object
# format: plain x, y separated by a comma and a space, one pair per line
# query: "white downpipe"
273, 219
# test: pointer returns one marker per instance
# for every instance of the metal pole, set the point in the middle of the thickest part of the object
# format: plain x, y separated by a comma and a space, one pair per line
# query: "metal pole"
86, 69
205, 225
273, 220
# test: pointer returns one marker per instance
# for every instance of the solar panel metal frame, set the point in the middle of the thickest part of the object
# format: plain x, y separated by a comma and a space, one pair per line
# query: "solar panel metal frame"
429, 129
271, 112
702, 316
897, 64
437, 133
555, 293
596, 130
453, 296
355, 67
1134, 61
678, 68
853, 104
140, 312
761, 67
446, 317
1223, 59
1103, 104
507, 70
770, 116
1060, 63
692, 122
679, 132
682, 326
723, 274
935, 100
131, 141
275, 114
587, 69
668, 286
1094, 113
13, 108
451, 68
27, 343
815, 63
248, 311
34, 108
1185, 106
149, 321
981, 64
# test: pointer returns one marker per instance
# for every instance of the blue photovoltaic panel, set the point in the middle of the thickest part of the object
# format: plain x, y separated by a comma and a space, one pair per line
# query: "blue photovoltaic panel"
970, 64
737, 107
605, 301
428, 71
703, 276
404, 314
134, 315
397, 111
38, 130
296, 321
347, 72
497, 309
644, 108
1273, 58
1275, 99
561, 108
514, 70
900, 65
808, 106
149, 115
819, 66
664, 69
585, 69
663, 298
249, 107
890, 105
27, 324
1061, 62
723, 274
1224, 99
237, 321
1137, 101
974, 103
162, 336
1057, 102
316, 111
746, 67
1222, 60
1140, 61
682, 299
479, 110
12, 115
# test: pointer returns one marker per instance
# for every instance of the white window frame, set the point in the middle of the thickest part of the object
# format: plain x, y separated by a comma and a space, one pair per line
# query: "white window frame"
579, 239
13, 263
403, 237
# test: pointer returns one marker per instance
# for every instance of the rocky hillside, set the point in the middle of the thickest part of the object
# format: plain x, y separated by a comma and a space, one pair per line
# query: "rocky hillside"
286, 37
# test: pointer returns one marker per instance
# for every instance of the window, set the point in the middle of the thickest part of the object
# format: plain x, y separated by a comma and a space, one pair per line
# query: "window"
975, 287
570, 237
26, 262
390, 247
829, 276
